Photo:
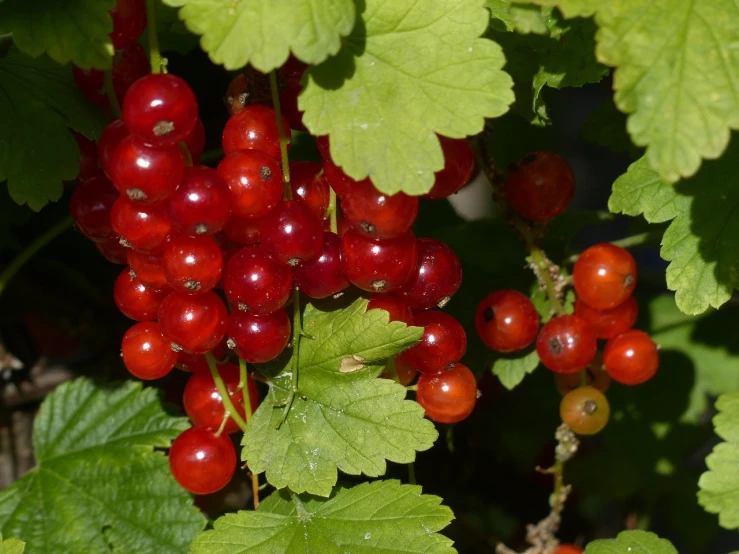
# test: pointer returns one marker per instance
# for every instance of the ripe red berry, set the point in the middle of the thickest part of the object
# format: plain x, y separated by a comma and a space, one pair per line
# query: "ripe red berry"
609, 322
110, 138
438, 275
323, 146
149, 267
404, 373
241, 230
566, 344
378, 266
310, 186
198, 362
258, 338
195, 142
540, 185
506, 321
604, 276
396, 308
129, 21
193, 265
322, 276
143, 227
337, 179
237, 94
596, 378
131, 64
91, 205
112, 250
201, 461
292, 233
377, 215
134, 299
160, 109
568, 549
631, 358
146, 353
254, 128
585, 410
448, 397
254, 281
443, 343
146, 174
255, 181
88, 158
201, 205
459, 164
194, 323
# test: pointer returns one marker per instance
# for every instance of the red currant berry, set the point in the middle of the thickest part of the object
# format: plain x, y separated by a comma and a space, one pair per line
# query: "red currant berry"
134, 299
112, 250
566, 344
540, 185
404, 374
146, 353
378, 266
443, 344
292, 233
91, 204
90, 83
596, 378
292, 68
241, 231
610, 322
110, 138
506, 321
193, 265
448, 397
631, 358
129, 21
310, 186
459, 164
143, 227
146, 174
585, 410
604, 276
194, 323
323, 146
337, 179
88, 158
258, 338
255, 181
198, 362
201, 461
256, 282
237, 94
396, 308
438, 275
568, 549
322, 276
254, 128
201, 205
160, 109
195, 142
149, 267
130, 65
377, 215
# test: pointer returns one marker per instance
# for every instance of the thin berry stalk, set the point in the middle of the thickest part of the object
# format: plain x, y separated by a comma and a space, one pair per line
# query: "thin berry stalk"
283, 135
155, 56
223, 391
115, 106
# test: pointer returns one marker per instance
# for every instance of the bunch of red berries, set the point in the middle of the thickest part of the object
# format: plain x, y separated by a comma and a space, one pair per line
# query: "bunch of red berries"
604, 276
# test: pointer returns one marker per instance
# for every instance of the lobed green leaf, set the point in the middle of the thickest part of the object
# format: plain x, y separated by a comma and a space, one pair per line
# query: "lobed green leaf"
642, 542
11, 546
511, 370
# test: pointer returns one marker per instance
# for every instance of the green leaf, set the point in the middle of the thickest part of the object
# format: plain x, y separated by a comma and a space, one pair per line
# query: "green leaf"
524, 19
38, 102
628, 542
511, 370
71, 30
11, 546
382, 102
569, 8
99, 486
383, 516
677, 75
606, 126
343, 416
263, 33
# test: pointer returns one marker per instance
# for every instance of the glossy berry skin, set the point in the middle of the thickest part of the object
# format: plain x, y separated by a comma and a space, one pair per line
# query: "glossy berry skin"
91, 205
448, 397
396, 308
336, 178
255, 180
585, 410
112, 250
310, 186
459, 165
631, 358
134, 299
201, 461
237, 94
110, 138
507, 321
193, 265
404, 373
596, 378
610, 322
443, 343
88, 158
146, 353
258, 338
129, 21
198, 362
540, 185
378, 266
376, 215
203, 403
322, 276
160, 109
568, 549
241, 231
254, 281
292, 233
201, 205
149, 267
130, 65
437, 277
195, 142
145, 174
143, 227
254, 128
566, 344
604, 276
195, 323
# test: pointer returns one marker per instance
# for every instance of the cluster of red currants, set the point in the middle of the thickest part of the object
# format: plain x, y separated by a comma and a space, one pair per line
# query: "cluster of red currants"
604, 276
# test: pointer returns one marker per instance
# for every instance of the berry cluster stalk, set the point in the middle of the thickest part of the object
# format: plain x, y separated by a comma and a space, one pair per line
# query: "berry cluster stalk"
248, 411
223, 391
157, 62
283, 135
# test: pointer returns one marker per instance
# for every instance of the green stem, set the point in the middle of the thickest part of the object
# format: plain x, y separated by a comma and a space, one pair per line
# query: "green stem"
155, 56
542, 264
297, 332
29, 251
110, 93
332, 210
284, 140
228, 404
244, 386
